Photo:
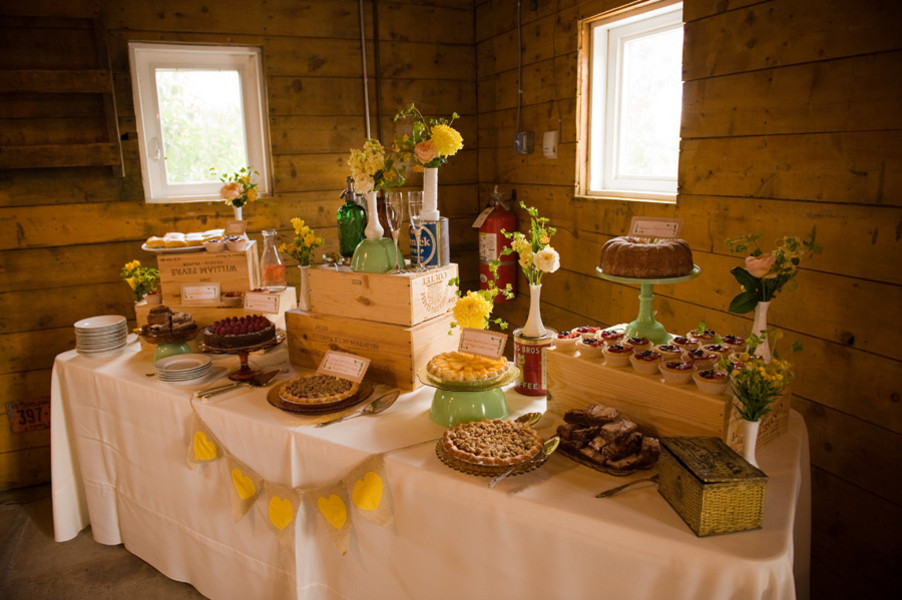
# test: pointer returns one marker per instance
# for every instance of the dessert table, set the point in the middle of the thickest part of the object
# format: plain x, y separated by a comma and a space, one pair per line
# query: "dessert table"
119, 444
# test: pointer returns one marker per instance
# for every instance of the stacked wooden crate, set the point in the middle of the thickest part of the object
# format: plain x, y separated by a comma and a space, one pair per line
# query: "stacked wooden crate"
398, 321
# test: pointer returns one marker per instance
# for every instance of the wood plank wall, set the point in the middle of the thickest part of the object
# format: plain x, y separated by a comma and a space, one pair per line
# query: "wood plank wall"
791, 120
66, 232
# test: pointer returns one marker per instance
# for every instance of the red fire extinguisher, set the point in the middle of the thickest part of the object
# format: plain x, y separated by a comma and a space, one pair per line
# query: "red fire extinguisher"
496, 217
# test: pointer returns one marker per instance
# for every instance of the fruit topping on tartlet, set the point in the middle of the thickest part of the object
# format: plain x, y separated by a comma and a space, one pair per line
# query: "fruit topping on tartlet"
703, 336
700, 358
734, 343
683, 343
711, 381
566, 341
669, 351
638, 344
587, 331
591, 348
646, 362
611, 337
718, 349
617, 355
676, 371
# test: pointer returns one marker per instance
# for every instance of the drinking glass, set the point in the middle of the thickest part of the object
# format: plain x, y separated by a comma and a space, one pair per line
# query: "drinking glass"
415, 209
393, 211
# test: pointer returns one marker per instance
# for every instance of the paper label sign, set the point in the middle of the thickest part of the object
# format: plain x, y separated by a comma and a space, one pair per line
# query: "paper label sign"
481, 342
262, 302
344, 366
655, 227
238, 228
200, 293
482, 217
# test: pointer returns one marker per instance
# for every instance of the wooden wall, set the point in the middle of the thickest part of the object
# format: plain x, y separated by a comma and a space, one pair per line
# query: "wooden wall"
791, 120
66, 232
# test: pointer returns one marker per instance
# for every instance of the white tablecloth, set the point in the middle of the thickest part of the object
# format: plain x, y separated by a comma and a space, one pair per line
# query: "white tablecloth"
120, 441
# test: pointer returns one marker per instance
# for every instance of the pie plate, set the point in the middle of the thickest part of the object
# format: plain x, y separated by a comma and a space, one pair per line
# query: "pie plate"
363, 392
505, 378
525, 466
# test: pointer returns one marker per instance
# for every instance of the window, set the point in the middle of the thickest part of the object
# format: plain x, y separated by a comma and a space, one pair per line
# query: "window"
198, 107
634, 100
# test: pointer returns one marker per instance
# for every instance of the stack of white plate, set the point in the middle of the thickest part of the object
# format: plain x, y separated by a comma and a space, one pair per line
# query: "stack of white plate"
101, 336
183, 368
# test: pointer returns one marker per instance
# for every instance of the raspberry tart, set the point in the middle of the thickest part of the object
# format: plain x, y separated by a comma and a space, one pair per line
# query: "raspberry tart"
495, 443
239, 332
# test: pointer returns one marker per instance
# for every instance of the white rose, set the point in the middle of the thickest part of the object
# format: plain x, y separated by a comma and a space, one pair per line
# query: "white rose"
547, 260
363, 183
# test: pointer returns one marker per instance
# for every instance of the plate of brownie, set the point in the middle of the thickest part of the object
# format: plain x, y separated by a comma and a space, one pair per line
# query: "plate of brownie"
600, 437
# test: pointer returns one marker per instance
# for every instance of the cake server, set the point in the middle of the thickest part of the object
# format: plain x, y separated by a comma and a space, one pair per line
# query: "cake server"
258, 381
373, 408
550, 446
620, 488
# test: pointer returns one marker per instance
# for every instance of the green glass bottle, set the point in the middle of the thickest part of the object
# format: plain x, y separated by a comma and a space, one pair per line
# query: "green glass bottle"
351, 221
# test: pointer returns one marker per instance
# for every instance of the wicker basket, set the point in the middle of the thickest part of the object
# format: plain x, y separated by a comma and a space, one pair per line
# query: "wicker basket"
711, 487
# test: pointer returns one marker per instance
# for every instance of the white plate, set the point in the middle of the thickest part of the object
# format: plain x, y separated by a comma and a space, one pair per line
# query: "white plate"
177, 250
100, 322
179, 363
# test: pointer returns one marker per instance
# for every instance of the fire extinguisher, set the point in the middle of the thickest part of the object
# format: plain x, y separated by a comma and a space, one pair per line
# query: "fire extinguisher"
495, 218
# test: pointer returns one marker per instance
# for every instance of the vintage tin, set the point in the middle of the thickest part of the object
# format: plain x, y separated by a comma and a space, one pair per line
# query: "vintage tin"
435, 248
529, 356
710, 486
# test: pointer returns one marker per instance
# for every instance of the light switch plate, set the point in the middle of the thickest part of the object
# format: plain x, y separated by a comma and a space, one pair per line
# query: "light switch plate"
549, 143
524, 142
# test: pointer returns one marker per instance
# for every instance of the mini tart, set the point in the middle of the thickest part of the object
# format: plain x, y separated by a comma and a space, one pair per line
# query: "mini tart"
646, 362
611, 337
676, 371
702, 337
669, 351
591, 348
494, 443
317, 389
461, 366
700, 359
617, 355
567, 341
734, 343
587, 331
718, 349
683, 343
637, 344
711, 382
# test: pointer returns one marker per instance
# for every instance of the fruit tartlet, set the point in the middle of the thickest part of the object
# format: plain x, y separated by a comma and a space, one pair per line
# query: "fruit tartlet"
611, 337
711, 381
646, 362
676, 371
617, 355
683, 343
700, 359
586, 331
705, 336
591, 348
734, 343
638, 344
669, 351
567, 341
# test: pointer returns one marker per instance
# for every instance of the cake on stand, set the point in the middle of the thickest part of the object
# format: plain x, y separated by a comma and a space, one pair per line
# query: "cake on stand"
457, 402
645, 324
171, 343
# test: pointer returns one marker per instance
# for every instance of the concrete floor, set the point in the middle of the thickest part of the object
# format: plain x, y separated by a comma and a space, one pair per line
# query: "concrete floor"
34, 567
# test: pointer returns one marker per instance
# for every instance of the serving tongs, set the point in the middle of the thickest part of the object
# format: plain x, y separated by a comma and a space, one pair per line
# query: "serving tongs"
260, 380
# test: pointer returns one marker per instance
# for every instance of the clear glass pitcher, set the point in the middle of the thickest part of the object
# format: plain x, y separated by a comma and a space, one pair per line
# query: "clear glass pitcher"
271, 265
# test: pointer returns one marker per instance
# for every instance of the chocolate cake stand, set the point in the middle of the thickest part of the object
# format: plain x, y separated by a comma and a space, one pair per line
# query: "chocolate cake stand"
645, 324
244, 372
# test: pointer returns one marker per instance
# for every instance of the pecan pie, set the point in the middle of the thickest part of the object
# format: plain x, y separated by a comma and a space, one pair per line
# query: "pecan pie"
495, 443
317, 389
460, 366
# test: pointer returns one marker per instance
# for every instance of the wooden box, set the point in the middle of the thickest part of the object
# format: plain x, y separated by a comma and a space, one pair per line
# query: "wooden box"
204, 316
661, 409
711, 487
395, 352
404, 299
234, 271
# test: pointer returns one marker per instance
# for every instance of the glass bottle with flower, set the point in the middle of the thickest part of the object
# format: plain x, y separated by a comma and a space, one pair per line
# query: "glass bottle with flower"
301, 249
239, 189
764, 275
536, 257
141, 279
430, 144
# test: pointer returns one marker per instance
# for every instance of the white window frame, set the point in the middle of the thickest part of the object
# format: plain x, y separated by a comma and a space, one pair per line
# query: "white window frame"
145, 58
603, 38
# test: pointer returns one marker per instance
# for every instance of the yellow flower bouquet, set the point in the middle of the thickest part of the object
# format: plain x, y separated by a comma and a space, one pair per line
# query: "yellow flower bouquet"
536, 255
756, 384
304, 243
142, 280
238, 189
373, 169
431, 142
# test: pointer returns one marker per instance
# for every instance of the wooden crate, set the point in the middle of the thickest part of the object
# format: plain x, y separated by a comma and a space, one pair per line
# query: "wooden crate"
206, 315
395, 352
405, 299
662, 409
234, 271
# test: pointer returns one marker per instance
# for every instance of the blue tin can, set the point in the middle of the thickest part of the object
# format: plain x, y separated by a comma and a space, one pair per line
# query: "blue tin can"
434, 246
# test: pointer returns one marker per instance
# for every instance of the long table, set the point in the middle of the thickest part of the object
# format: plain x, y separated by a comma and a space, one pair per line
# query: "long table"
120, 439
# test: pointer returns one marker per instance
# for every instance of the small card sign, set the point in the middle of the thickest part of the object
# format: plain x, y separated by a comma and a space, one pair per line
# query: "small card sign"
238, 228
261, 301
655, 227
200, 293
344, 365
482, 342
28, 415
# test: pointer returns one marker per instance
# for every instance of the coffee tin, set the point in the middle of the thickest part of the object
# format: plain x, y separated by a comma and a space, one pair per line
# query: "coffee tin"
435, 249
529, 356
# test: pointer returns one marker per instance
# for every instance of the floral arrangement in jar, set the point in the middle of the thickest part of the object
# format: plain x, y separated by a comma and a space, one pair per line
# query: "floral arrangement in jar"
766, 274
142, 280
755, 383
239, 189
431, 141
374, 169
535, 253
304, 243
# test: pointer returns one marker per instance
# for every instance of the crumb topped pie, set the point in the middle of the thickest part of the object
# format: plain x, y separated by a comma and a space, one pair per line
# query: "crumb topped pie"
317, 389
461, 366
494, 443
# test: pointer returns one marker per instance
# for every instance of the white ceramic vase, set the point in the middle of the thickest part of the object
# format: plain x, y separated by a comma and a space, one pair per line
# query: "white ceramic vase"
759, 328
374, 230
750, 441
304, 288
534, 327
238, 212
430, 194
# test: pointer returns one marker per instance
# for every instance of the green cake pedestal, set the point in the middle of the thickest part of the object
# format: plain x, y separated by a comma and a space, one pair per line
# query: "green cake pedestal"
374, 256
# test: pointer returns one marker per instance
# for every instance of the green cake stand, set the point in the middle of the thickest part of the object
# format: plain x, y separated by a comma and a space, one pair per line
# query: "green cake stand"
374, 256
456, 402
645, 324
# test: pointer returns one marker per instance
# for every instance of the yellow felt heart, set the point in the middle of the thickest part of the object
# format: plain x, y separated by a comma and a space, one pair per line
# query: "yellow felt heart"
281, 511
244, 485
204, 449
334, 509
367, 492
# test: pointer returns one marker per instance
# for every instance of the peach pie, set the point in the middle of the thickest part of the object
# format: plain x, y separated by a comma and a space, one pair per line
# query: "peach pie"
494, 443
460, 366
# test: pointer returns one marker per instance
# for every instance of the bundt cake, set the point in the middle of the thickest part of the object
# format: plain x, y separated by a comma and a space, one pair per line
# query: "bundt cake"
646, 259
